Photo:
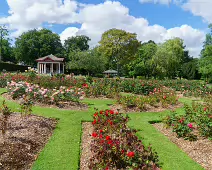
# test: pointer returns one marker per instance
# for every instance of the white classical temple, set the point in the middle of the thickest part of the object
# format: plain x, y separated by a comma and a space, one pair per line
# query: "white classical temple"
50, 64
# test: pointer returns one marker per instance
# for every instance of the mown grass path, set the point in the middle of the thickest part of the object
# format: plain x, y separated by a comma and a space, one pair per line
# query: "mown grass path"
62, 152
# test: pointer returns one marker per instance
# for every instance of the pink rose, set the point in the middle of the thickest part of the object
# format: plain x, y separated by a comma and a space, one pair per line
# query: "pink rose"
190, 125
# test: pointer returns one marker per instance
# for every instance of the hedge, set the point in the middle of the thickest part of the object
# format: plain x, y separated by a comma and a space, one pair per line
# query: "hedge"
12, 67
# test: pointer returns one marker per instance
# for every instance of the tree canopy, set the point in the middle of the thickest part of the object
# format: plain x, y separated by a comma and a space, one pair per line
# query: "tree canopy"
79, 43
37, 43
205, 63
6, 50
119, 47
92, 61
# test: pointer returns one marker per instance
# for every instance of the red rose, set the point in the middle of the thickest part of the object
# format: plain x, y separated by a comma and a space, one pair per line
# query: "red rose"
130, 154
100, 136
205, 108
95, 114
164, 97
101, 131
107, 137
94, 122
101, 112
85, 85
94, 134
106, 113
110, 142
122, 151
111, 112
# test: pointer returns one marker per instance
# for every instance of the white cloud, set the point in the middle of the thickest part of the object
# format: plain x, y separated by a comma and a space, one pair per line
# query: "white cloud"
94, 20
68, 32
28, 14
200, 8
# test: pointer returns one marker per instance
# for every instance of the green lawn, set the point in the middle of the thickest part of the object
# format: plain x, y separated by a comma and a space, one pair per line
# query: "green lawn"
63, 150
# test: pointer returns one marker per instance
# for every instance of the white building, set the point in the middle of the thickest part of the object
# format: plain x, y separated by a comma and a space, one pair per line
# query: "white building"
50, 64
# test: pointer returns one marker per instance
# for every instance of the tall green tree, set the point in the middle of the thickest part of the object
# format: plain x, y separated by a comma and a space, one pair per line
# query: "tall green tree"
79, 43
169, 57
205, 62
37, 43
205, 67
6, 50
143, 65
190, 69
119, 47
92, 61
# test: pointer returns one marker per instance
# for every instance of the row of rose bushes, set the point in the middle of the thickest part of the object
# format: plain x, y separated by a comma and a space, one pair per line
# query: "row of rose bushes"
145, 87
44, 81
115, 146
197, 121
103, 86
158, 98
44, 95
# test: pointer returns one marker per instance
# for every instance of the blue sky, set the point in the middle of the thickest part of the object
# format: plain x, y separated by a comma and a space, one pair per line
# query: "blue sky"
157, 21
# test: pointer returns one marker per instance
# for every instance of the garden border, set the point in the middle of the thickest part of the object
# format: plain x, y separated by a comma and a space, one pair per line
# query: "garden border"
55, 157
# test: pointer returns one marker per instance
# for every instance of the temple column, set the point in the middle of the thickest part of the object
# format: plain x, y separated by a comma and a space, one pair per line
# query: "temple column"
45, 68
42, 68
51, 68
63, 68
59, 67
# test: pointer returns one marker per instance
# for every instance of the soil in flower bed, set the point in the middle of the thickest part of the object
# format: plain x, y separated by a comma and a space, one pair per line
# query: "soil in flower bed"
148, 108
200, 150
25, 137
62, 105
87, 129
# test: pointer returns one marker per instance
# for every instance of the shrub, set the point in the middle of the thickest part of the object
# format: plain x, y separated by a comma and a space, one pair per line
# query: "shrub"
5, 111
155, 98
197, 116
43, 95
115, 146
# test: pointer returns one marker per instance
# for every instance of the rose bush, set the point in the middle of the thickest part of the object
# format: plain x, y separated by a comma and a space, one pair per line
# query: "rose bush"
115, 146
156, 98
44, 95
198, 117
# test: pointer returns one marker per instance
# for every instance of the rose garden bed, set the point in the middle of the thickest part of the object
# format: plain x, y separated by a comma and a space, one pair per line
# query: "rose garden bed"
110, 144
102, 135
200, 150
24, 138
68, 105
63, 97
148, 108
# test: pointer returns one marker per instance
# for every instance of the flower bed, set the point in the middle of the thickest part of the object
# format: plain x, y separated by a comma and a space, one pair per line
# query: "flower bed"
197, 121
37, 94
107, 86
156, 99
115, 146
